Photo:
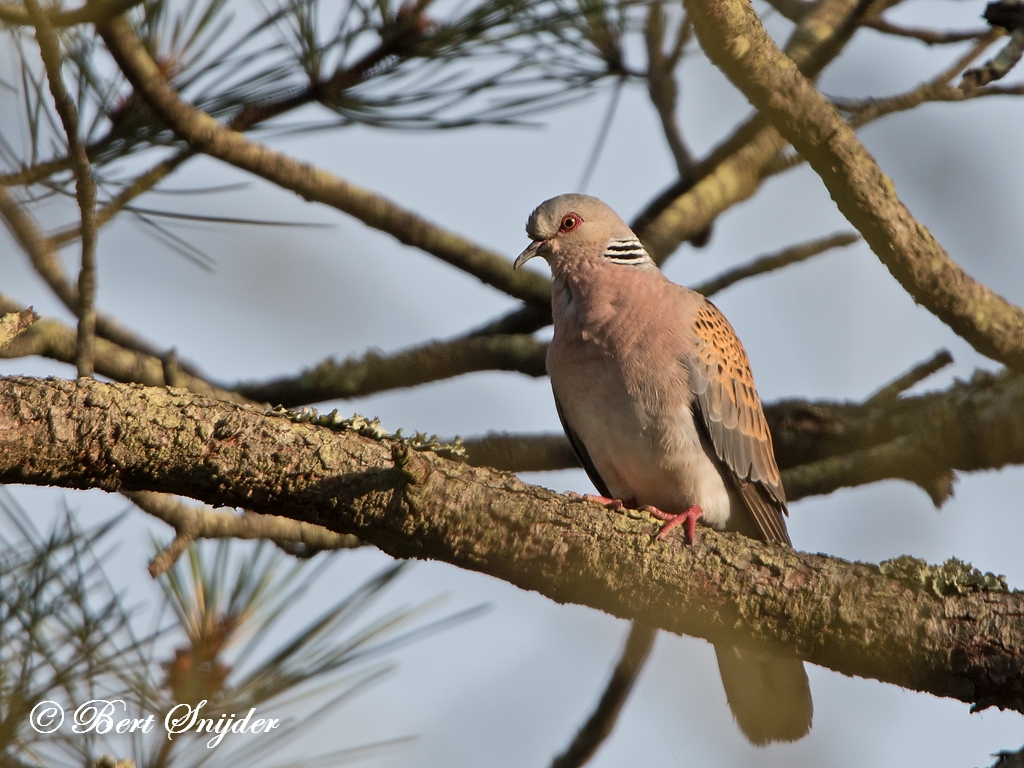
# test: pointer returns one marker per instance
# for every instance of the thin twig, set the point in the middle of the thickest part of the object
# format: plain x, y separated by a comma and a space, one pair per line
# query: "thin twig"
119, 202
927, 36
918, 373
602, 135
867, 111
197, 521
375, 372
600, 724
45, 259
662, 87
936, 89
85, 185
663, 91
792, 255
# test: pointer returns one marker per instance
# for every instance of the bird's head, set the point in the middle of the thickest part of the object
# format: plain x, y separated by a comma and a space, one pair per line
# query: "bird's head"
570, 231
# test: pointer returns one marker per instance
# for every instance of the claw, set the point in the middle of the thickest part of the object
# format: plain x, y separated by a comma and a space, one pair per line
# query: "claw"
603, 500
690, 517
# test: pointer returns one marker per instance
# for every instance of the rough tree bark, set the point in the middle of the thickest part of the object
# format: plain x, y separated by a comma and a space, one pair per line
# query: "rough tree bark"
949, 631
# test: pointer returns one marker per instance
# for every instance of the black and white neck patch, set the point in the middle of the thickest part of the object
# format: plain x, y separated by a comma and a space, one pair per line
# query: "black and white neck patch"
626, 250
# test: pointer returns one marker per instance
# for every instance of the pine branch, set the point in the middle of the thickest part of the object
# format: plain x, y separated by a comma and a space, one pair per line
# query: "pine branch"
205, 134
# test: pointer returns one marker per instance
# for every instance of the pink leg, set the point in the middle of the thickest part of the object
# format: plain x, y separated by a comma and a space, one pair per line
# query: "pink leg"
610, 503
690, 517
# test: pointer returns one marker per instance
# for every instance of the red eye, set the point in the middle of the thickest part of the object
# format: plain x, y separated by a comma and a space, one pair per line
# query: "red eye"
570, 221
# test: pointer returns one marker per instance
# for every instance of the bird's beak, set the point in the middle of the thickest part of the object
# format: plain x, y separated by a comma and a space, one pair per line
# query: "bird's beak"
531, 250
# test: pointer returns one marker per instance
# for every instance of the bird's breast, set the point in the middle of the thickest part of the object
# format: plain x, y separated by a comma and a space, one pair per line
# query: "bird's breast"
636, 423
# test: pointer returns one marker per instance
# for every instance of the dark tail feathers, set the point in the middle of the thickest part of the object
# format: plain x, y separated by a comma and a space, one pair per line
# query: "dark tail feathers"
769, 695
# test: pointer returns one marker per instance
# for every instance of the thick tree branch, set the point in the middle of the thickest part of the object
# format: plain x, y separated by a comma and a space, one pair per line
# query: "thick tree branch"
820, 445
734, 39
206, 135
732, 173
947, 631
521, 453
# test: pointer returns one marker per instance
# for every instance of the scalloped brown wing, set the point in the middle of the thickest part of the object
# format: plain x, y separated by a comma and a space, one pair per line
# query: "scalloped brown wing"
724, 395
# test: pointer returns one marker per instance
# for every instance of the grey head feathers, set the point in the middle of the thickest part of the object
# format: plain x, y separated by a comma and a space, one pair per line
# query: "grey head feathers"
572, 231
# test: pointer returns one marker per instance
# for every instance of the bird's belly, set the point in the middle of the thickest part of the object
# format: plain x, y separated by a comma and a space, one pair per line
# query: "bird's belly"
660, 462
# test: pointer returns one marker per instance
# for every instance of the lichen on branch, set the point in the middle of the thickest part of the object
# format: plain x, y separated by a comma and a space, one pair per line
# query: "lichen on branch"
849, 617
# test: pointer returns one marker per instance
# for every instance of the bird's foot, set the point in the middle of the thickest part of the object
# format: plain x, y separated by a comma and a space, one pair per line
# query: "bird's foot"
604, 500
690, 517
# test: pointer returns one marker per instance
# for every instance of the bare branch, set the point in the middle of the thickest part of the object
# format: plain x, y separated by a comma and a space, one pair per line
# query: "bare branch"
927, 36
732, 172
601, 722
862, 192
662, 86
375, 372
139, 186
205, 134
906, 458
794, 10
938, 89
192, 521
949, 631
85, 186
918, 373
792, 255
54, 340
